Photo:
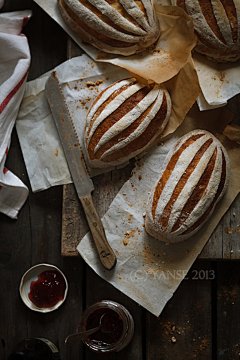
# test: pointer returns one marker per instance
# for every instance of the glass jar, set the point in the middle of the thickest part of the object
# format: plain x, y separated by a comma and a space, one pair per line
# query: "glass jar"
121, 321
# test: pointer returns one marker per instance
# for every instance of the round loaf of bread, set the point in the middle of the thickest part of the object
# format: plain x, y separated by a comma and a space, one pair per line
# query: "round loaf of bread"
217, 26
122, 27
193, 179
124, 120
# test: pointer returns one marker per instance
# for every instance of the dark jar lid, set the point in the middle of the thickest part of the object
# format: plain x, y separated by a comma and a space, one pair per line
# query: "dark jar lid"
34, 349
120, 324
17, 356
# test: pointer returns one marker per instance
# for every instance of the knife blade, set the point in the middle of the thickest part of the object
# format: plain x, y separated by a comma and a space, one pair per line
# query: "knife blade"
77, 166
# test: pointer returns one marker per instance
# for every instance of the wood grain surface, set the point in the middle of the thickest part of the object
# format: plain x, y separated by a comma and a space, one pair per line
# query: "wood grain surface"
203, 315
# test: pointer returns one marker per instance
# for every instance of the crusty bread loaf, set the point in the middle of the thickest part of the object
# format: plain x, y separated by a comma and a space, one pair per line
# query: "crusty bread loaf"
122, 27
217, 25
193, 179
124, 120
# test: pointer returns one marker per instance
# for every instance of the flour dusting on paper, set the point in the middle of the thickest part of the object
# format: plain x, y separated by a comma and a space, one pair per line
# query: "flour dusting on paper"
148, 270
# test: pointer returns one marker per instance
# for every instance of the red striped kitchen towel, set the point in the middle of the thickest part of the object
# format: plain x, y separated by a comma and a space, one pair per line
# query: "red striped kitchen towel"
14, 65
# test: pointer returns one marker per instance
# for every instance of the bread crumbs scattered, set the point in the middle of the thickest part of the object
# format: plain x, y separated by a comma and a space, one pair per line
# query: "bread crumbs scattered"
231, 231
128, 234
92, 83
150, 271
98, 82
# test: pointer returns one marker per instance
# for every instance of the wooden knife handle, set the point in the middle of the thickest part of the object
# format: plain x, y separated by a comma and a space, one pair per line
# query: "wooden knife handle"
106, 254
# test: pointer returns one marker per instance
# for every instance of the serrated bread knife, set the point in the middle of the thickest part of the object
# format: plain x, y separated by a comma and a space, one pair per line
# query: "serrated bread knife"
78, 169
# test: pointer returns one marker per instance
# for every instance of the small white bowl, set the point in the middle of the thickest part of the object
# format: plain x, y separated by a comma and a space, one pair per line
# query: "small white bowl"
32, 275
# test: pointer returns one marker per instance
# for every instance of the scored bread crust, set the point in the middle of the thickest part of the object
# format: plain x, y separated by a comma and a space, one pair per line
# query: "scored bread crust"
122, 27
193, 178
124, 120
217, 25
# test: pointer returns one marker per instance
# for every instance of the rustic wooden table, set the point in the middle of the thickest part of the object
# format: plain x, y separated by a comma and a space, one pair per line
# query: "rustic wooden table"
204, 314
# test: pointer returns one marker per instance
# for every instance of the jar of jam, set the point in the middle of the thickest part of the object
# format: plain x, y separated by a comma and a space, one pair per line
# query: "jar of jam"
117, 322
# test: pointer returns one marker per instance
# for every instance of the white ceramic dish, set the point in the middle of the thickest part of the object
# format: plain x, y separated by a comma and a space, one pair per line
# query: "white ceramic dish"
32, 275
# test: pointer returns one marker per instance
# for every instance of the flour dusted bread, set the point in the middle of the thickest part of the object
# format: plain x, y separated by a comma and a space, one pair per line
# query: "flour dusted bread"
193, 179
124, 120
217, 25
122, 27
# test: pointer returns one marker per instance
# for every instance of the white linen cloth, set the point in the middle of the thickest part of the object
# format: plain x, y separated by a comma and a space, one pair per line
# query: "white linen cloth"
14, 65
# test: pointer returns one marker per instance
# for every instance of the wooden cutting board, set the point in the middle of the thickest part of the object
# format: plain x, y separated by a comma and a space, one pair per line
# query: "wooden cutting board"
223, 244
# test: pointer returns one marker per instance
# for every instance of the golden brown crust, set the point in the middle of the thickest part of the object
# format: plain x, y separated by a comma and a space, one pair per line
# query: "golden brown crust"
193, 179
217, 25
127, 106
139, 143
105, 39
168, 171
209, 209
115, 26
124, 120
197, 193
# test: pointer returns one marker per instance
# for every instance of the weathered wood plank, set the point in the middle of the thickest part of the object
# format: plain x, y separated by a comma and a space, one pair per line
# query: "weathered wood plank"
227, 311
224, 243
36, 236
74, 223
231, 246
183, 330
15, 258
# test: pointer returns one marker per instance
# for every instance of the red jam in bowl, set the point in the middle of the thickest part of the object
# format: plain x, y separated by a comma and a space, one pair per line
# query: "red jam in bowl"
48, 289
112, 325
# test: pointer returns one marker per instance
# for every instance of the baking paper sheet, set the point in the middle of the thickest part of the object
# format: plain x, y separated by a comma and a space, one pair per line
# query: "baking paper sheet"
148, 270
42, 151
82, 80
219, 82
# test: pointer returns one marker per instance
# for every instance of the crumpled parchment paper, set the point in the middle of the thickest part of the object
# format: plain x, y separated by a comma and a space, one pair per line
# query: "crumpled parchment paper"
82, 80
159, 63
148, 270
42, 150
219, 82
